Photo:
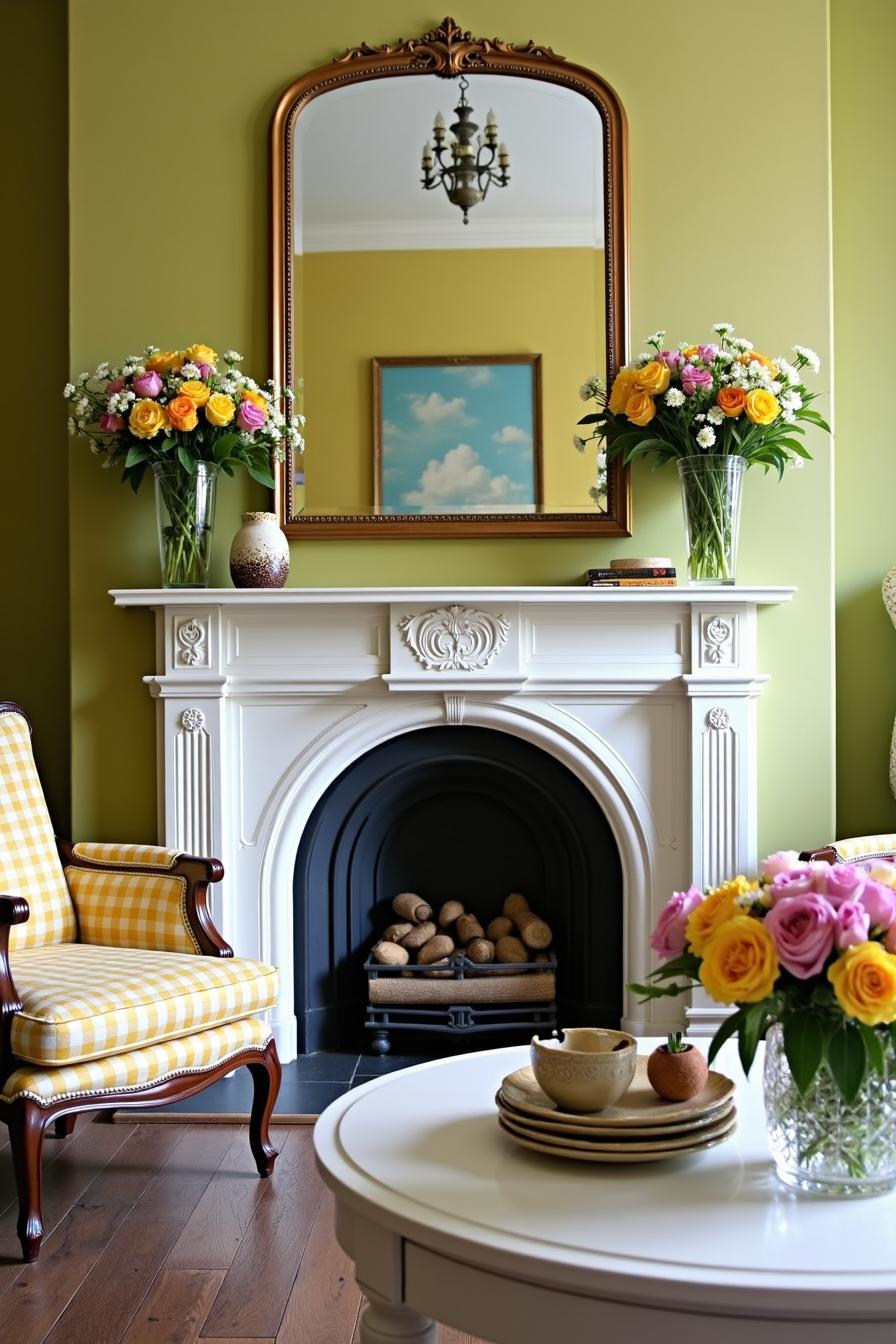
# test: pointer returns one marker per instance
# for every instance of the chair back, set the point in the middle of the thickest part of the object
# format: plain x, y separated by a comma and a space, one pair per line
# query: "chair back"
29, 863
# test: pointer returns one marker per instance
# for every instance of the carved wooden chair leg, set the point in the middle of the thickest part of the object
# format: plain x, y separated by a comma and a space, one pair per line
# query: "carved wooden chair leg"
26, 1132
266, 1079
64, 1125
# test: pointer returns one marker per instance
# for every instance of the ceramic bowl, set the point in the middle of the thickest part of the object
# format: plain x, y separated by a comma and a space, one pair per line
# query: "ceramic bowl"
585, 1070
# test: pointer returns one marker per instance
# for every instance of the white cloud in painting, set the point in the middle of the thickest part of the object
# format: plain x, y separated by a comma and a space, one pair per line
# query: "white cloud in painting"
460, 482
436, 410
512, 434
477, 375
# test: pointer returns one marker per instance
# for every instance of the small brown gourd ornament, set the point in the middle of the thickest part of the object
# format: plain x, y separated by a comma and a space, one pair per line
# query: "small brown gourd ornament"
677, 1070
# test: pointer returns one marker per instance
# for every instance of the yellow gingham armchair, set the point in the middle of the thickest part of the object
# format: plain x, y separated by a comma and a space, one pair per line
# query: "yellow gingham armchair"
116, 990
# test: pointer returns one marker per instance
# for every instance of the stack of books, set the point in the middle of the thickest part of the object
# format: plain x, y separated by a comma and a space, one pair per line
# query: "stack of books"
652, 571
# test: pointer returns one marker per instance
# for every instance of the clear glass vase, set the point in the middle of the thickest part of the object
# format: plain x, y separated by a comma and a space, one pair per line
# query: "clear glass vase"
185, 512
823, 1144
710, 495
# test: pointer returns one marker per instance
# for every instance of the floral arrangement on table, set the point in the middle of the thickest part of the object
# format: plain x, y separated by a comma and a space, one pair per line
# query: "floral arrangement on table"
184, 414
715, 401
811, 946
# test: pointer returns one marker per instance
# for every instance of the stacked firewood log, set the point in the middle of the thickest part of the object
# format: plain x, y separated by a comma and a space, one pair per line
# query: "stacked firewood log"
423, 939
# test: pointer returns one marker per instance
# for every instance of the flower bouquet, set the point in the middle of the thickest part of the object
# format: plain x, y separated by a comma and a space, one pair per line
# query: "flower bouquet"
185, 415
806, 953
717, 409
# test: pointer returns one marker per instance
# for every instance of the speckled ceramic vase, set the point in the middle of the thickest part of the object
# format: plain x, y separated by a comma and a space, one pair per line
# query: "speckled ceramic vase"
259, 555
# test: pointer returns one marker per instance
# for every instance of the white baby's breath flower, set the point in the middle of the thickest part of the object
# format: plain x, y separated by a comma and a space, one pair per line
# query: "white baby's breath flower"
72, 428
95, 449
231, 357
656, 338
796, 463
723, 328
674, 397
791, 401
102, 370
82, 406
578, 443
250, 383
83, 378
715, 415
741, 344
644, 358
786, 372
602, 461
288, 393
590, 388
189, 372
700, 417
788, 417
68, 391
707, 437
807, 356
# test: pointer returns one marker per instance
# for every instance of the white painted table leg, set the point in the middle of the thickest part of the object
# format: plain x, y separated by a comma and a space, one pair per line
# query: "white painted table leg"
385, 1322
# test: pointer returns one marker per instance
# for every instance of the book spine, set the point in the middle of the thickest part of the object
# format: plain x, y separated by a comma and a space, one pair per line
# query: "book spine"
655, 573
632, 583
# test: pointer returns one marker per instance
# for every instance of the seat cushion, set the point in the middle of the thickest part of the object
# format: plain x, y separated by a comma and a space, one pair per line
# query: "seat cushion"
84, 1002
137, 1070
29, 863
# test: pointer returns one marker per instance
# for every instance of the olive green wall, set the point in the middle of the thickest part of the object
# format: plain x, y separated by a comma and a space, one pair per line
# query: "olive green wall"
550, 304
34, 665
729, 159
863, 42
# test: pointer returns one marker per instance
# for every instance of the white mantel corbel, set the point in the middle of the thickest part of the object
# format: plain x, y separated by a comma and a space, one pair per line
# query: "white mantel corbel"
649, 696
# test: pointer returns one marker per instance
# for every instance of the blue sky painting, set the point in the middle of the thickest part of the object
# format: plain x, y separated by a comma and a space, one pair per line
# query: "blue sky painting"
457, 438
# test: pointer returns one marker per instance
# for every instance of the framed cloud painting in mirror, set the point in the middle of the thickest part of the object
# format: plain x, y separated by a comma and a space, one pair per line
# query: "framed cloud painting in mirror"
457, 435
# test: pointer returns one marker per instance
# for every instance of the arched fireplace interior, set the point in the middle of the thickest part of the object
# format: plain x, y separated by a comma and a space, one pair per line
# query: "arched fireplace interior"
453, 813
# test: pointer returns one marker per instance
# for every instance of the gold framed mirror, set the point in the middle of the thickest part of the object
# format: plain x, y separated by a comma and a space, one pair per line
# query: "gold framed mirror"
507, 232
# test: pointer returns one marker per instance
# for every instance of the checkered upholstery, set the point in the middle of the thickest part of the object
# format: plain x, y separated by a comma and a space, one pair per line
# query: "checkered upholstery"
126, 856
81, 1002
29, 864
138, 1069
131, 909
864, 847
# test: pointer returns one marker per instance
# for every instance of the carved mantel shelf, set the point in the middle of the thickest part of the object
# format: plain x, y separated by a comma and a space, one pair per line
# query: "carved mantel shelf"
648, 695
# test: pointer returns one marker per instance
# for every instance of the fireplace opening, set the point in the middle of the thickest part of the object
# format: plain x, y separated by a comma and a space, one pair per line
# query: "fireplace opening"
453, 813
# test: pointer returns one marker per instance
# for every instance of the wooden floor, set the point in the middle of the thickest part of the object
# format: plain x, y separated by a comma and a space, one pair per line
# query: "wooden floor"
163, 1234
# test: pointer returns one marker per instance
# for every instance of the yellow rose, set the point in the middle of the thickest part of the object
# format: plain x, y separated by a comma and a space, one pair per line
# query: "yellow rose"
197, 392
740, 964
864, 981
219, 409
761, 406
164, 362
256, 399
147, 417
690, 351
652, 378
623, 387
182, 414
200, 354
640, 408
712, 912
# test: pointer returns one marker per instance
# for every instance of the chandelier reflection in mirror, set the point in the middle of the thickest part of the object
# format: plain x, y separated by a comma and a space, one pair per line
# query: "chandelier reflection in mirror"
472, 169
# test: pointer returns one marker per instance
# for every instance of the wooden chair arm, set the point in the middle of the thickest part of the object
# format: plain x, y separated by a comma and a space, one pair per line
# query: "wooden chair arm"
198, 873
13, 910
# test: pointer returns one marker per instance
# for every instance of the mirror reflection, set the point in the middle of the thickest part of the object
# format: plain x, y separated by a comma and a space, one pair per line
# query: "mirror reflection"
450, 286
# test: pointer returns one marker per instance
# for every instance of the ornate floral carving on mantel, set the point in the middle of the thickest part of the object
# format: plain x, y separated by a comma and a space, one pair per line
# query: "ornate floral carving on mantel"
192, 719
191, 643
718, 640
718, 718
455, 638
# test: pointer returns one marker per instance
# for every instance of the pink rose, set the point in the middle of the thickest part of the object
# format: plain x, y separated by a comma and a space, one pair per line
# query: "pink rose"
114, 386
250, 417
111, 424
148, 384
844, 883
799, 881
667, 939
204, 371
693, 379
803, 929
707, 353
852, 924
880, 902
782, 861
672, 359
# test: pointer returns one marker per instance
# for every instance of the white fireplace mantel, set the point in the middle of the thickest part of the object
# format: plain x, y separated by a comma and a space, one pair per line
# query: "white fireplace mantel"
647, 694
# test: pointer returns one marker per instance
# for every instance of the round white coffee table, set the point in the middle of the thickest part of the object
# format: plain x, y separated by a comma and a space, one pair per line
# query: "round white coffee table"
447, 1220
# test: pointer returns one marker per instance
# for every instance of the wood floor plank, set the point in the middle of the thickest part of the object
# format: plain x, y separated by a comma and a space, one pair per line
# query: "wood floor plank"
111, 1294
175, 1307
67, 1173
217, 1225
324, 1302
206, 1339
43, 1290
256, 1288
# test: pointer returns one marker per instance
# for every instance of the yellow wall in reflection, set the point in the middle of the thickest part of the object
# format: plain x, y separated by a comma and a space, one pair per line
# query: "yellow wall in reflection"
355, 305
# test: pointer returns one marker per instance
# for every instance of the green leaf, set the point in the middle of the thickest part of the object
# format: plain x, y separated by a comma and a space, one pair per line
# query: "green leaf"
591, 419
186, 459
750, 1032
168, 443
658, 991
874, 1048
138, 453
725, 1032
847, 1060
135, 475
261, 474
804, 1037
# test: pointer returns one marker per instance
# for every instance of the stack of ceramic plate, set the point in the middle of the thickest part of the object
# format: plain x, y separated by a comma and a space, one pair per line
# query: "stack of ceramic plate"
641, 1127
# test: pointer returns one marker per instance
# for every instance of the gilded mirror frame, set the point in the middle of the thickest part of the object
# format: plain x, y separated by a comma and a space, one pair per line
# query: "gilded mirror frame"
448, 51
